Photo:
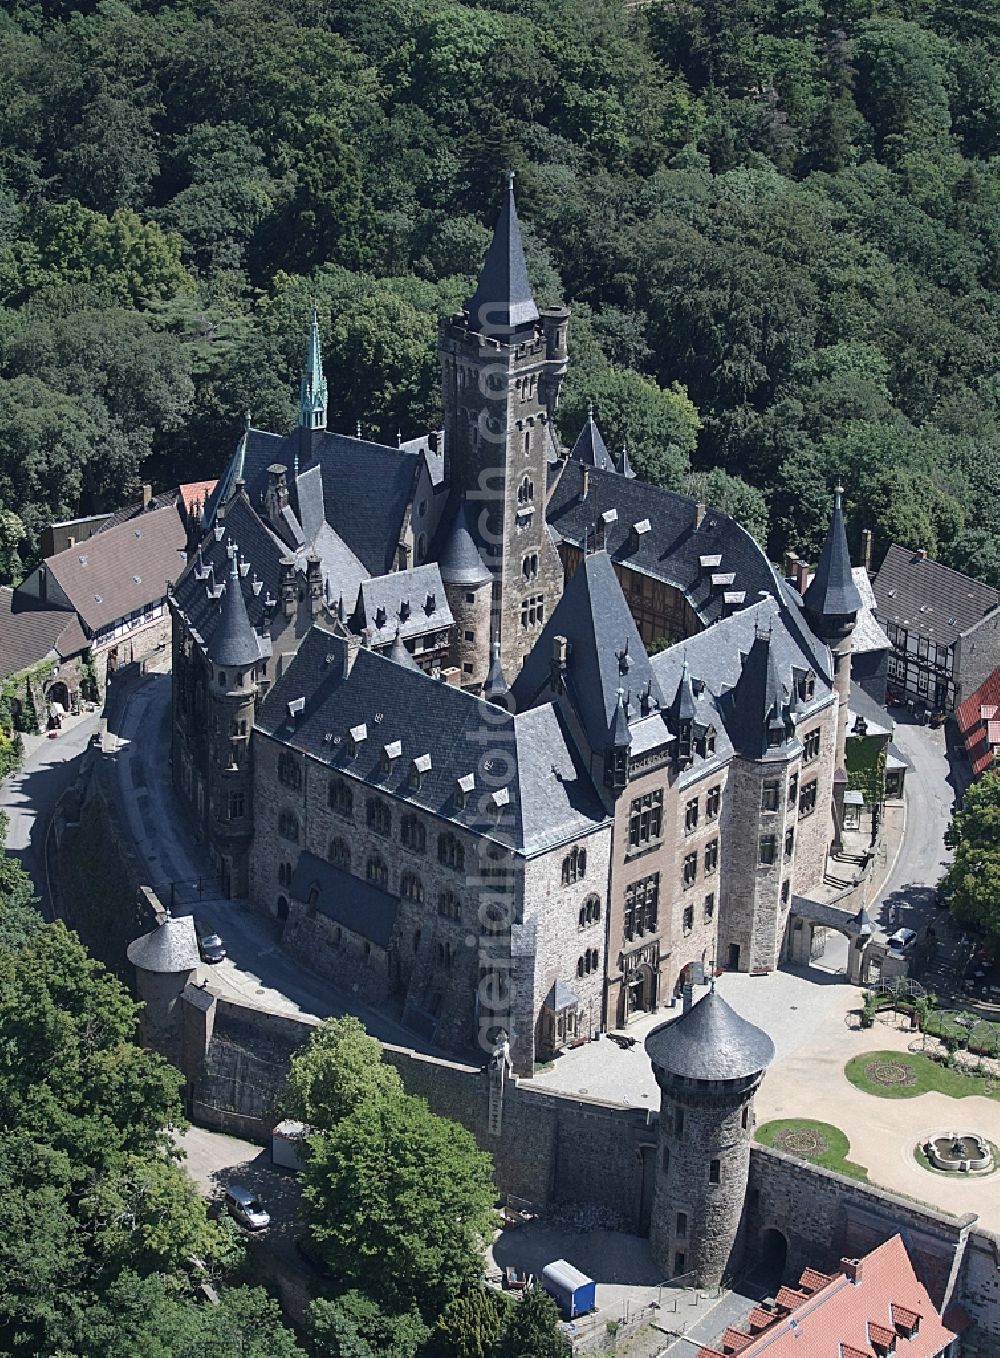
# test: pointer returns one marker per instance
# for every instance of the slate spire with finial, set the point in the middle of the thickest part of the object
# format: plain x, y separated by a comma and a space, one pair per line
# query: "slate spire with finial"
503, 302
312, 386
832, 592
234, 642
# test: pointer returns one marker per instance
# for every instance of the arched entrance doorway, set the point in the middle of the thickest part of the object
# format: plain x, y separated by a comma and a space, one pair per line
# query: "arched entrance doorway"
772, 1258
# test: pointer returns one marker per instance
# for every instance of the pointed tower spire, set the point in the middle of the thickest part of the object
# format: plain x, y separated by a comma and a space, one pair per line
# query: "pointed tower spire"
401, 655
626, 468
312, 387
495, 689
503, 301
234, 642
832, 591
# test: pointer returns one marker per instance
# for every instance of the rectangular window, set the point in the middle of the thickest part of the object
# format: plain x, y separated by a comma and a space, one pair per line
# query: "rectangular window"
642, 903
682, 1223
769, 795
690, 869
786, 891
688, 918
714, 1171
709, 906
711, 856
645, 819
789, 843
691, 816
793, 789
767, 852
237, 805
810, 746
713, 800
807, 801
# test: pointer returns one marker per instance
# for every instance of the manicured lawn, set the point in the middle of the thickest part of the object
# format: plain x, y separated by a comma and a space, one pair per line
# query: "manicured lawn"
920, 1075
819, 1142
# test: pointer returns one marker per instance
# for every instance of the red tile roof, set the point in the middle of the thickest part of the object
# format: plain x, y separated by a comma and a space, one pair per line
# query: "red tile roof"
842, 1319
812, 1280
880, 1336
196, 492
978, 724
735, 1341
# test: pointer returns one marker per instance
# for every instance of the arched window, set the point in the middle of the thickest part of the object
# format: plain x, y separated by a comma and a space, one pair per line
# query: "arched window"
411, 887
288, 826
449, 906
284, 874
580, 967
588, 963
574, 866
413, 833
340, 853
451, 852
590, 911
526, 491
376, 871
379, 816
341, 798
445, 954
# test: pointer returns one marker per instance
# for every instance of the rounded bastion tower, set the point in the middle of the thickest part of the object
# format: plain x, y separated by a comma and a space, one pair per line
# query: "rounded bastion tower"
708, 1064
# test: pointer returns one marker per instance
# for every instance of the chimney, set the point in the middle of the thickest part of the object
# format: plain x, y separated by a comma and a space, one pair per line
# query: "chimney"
791, 562
314, 578
802, 575
560, 654
277, 491
585, 483
289, 591
866, 548
921, 554
699, 514
852, 1268
638, 534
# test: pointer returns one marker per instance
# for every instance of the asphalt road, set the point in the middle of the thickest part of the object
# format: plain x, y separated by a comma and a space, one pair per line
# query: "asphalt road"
29, 797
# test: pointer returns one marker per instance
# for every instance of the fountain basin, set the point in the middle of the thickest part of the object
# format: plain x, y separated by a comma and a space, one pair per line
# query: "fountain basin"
959, 1152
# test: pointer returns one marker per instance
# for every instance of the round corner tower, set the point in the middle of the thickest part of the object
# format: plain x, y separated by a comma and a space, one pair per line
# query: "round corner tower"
708, 1064
165, 960
468, 586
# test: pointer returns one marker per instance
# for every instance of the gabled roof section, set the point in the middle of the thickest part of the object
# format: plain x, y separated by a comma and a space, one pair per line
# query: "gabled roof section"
503, 302
547, 799
832, 591
410, 602
978, 719
605, 653
927, 598
122, 569
30, 632
590, 448
757, 709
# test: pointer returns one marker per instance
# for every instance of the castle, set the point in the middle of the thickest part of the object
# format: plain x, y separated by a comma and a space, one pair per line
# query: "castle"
419, 715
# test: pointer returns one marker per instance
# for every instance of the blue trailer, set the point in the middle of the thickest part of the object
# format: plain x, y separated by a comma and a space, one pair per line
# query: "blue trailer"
572, 1291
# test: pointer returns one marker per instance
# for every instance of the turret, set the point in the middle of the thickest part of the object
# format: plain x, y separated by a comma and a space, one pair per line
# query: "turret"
708, 1064
312, 393
682, 717
616, 756
468, 586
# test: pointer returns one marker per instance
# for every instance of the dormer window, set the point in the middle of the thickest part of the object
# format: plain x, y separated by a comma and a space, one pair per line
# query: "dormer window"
420, 767
710, 740
464, 788
355, 739
380, 617
390, 753
807, 686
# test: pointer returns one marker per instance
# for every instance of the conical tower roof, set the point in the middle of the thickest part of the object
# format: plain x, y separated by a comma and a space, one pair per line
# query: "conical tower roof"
312, 387
401, 655
590, 448
170, 948
710, 1042
832, 591
234, 642
683, 706
461, 562
626, 467
503, 301
621, 736
495, 685
757, 704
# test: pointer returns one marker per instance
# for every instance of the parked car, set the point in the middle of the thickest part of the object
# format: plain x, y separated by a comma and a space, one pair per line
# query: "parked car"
903, 939
211, 947
246, 1208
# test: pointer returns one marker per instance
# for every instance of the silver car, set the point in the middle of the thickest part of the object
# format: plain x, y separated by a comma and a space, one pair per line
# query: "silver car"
246, 1208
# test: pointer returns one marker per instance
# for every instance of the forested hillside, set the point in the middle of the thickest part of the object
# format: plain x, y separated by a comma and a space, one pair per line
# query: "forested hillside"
777, 221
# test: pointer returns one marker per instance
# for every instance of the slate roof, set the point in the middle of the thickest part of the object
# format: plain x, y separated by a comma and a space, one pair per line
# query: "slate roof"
550, 798
867, 635
366, 486
710, 1042
169, 948
401, 600
502, 301
29, 632
348, 900
759, 703
606, 652
122, 569
260, 551
832, 591
590, 448
672, 550
234, 642
460, 560
561, 996
860, 704
927, 598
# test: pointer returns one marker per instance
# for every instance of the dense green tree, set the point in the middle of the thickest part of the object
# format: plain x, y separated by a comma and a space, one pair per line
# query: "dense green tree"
338, 1070
973, 880
733, 496
470, 1325
355, 1326
398, 1202
533, 1330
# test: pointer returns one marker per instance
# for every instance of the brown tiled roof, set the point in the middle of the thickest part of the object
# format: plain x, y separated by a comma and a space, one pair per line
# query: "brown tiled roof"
735, 1341
880, 1336
901, 1315
123, 568
759, 1319
849, 1351
927, 598
977, 719
29, 632
790, 1298
812, 1280
196, 493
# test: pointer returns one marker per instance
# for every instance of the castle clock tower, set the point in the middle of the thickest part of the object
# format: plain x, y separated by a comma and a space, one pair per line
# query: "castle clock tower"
502, 367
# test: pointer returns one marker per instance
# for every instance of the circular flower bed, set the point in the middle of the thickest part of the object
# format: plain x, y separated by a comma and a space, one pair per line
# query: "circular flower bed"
802, 1141
888, 1073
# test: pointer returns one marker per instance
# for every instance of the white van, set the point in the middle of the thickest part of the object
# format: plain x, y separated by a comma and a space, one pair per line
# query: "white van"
246, 1208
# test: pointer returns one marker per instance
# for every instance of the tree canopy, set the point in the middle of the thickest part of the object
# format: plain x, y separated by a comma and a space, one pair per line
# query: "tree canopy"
973, 880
